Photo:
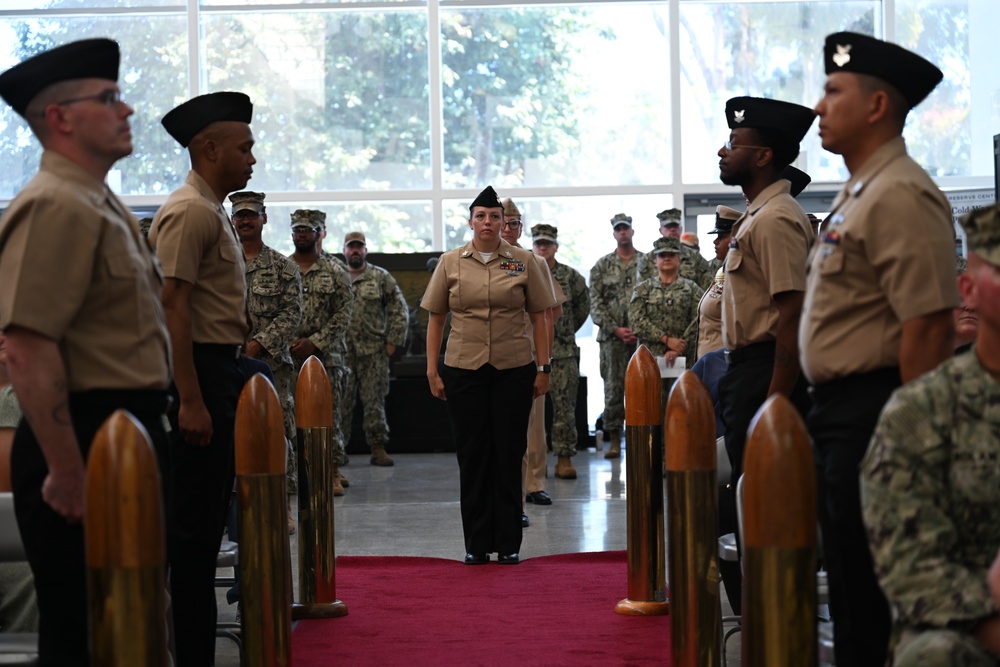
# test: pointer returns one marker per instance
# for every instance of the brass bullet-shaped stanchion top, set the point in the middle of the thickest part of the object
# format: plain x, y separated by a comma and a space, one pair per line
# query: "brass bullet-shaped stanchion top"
642, 390
646, 559
124, 547
313, 400
260, 430
779, 538
692, 524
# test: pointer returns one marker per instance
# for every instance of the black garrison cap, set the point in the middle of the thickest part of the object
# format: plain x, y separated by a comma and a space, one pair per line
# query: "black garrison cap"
798, 178
791, 120
914, 76
487, 198
187, 120
86, 59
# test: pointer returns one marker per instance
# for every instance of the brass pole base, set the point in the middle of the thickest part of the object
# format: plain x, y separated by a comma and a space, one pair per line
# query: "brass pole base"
628, 607
333, 609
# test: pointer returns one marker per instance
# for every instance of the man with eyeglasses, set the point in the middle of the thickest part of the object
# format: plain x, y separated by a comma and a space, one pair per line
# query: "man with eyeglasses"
765, 270
327, 304
694, 267
79, 306
274, 302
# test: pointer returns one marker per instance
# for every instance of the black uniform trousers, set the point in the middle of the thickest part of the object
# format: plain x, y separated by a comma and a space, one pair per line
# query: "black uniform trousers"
488, 409
201, 493
841, 425
742, 390
54, 547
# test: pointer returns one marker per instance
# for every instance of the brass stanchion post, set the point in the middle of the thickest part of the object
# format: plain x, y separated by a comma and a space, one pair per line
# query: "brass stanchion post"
779, 537
692, 525
265, 556
124, 542
317, 552
647, 576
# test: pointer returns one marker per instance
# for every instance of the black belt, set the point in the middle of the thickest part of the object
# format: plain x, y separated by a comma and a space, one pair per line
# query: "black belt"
217, 350
750, 353
885, 378
144, 404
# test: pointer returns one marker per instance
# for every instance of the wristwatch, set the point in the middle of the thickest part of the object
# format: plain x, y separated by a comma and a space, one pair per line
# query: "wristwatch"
547, 368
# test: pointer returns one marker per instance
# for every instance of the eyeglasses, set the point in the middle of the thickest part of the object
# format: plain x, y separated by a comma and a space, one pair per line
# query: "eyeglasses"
664, 255
108, 98
246, 215
513, 224
730, 146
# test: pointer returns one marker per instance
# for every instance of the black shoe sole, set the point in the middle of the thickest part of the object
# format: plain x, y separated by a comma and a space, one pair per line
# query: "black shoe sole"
528, 498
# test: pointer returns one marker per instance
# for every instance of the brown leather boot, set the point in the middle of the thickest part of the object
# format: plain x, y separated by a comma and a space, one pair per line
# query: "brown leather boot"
344, 482
615, 450
565, 469
379, 457
338, 485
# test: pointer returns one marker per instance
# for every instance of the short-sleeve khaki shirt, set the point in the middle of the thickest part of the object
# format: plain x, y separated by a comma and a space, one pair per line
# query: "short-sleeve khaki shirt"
74, 268
487, 301
195, 242
885, 255
767, 256
710, 316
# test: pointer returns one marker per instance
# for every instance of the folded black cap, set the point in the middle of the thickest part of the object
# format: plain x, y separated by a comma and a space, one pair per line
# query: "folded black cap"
798, 178
190, 118
487, 198
791, 120
914, 76
86, 59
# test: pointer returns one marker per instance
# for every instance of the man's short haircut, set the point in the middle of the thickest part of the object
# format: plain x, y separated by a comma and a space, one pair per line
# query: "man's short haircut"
898, 106
784, 149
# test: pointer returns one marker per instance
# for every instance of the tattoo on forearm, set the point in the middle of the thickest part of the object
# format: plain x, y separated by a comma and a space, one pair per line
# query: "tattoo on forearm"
60, 414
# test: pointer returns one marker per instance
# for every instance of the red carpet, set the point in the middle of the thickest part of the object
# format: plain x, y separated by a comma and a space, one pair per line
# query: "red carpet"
552, 611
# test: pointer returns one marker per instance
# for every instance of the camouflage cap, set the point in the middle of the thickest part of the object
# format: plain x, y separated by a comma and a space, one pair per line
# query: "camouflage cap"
982, 233
305, 217
355, 237
544, 233
247, 200
621, 219
672, 216
144, 225
510, 208
961, 265
666, 244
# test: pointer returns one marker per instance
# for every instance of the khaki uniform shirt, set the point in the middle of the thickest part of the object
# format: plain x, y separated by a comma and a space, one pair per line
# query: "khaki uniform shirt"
487, 301
710, 316
886, 254
767, 256
195, 242
274, 299
74, 269
327, 303
612, 282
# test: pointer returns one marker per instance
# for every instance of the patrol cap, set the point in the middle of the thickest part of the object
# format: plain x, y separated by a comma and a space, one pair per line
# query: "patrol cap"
510, 208
621, 219
544, 233
85, 59
690, 239
725, 218
305, 217
798, 178
961, 265
184, 122
354, 237
144, 225
247, 201
914, 76
790, 120
982, 233
488, 198
666, 244
672, 216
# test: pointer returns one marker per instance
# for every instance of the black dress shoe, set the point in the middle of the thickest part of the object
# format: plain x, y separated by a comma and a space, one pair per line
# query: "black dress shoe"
477, 559
509, 559
524, 520
539, 498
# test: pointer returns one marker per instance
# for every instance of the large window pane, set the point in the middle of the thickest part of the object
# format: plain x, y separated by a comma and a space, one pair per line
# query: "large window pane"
340, 99
87, 4
556, 96
153, 75
766, 49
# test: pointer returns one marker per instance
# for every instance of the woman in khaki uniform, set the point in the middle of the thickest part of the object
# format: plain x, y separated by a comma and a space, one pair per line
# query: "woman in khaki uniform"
489, 377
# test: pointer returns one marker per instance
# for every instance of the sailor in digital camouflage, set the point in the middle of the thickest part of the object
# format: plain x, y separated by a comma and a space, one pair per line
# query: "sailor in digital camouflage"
693, 266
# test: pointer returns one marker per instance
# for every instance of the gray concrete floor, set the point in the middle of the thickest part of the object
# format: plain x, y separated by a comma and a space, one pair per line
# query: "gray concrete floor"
412, 509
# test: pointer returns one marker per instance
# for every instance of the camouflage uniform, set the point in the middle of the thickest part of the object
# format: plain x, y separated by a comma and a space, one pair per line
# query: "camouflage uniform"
611, 285
694, 267
274, 301
566, 359
931, 500
714, 265
379, 316
326, 315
